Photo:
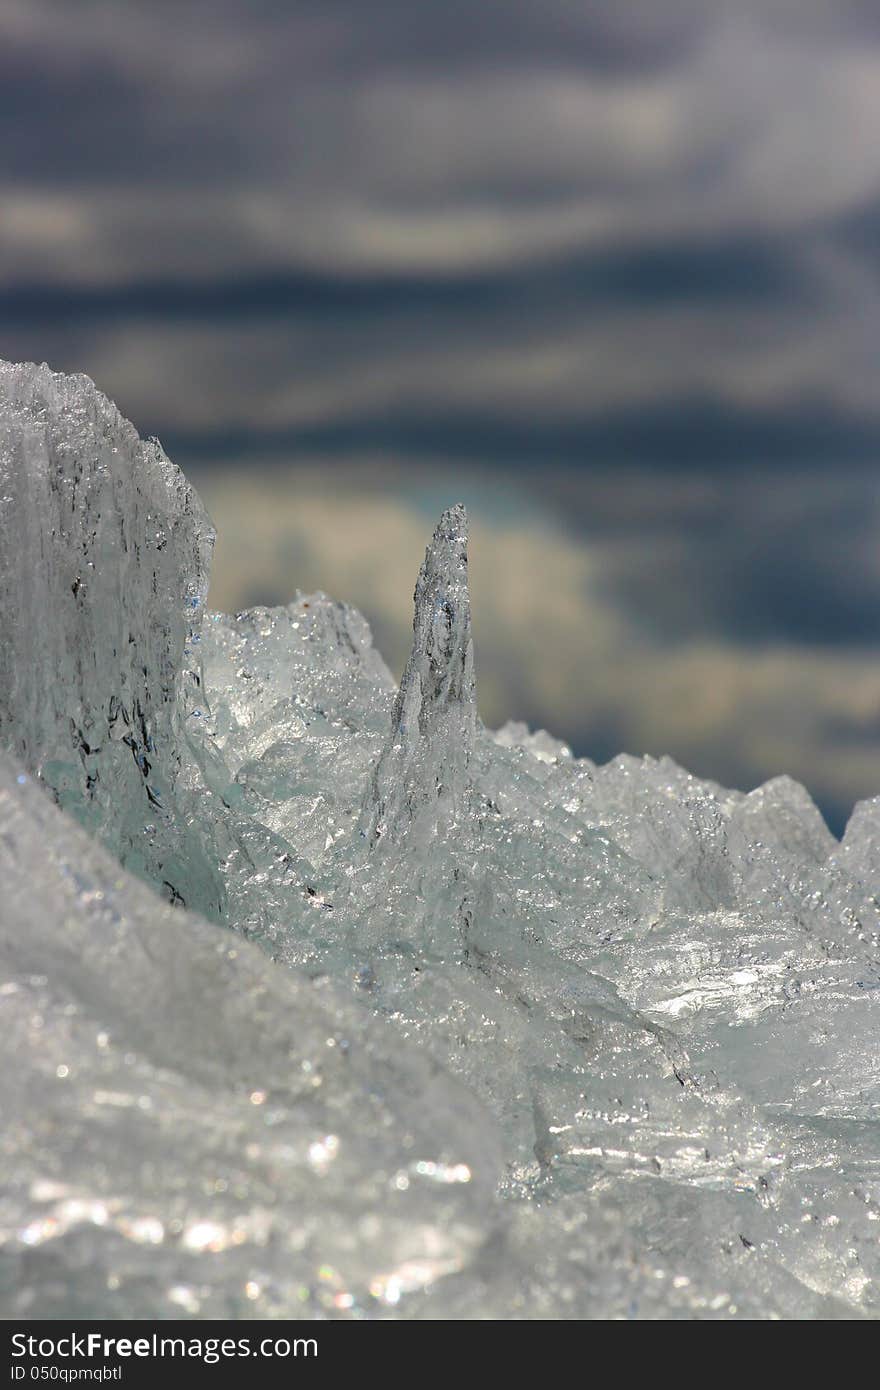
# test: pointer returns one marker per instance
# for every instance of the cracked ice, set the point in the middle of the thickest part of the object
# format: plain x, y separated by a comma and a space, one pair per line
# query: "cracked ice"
321, 999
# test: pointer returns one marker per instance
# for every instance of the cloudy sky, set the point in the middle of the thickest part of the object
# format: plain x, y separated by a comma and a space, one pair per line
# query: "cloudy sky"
607, 272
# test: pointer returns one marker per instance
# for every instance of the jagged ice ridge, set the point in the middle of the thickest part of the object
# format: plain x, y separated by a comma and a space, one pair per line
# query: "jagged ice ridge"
321, 999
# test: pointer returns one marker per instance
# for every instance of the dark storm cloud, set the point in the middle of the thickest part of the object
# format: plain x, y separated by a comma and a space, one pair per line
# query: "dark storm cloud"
703, 434
192, 90
458, 33
733, 270
473, 173
859, 232
760, 564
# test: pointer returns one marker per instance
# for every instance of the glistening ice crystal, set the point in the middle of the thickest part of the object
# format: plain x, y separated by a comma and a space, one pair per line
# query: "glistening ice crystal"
432, 1021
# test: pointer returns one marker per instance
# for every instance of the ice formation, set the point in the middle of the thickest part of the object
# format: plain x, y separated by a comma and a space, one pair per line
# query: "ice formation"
321, 999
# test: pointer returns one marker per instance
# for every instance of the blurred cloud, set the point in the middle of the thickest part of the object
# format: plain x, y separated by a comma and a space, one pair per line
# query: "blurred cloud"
526, 208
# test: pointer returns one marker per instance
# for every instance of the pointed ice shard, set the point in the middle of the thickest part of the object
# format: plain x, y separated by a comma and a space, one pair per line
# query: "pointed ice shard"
422, 775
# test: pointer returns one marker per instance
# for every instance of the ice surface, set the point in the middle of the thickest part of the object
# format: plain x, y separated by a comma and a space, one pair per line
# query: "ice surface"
194, 1130
540, 1038
103, 574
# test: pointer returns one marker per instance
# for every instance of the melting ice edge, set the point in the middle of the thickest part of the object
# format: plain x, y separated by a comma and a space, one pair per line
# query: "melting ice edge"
320, 999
